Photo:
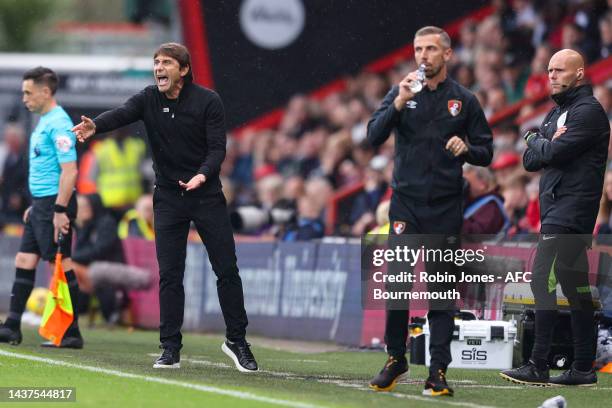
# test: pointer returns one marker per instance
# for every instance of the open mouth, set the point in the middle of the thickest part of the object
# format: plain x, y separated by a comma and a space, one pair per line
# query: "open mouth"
162, 80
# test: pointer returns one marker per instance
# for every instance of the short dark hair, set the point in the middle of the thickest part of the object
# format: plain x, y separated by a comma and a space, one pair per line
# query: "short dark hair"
428, 30
43, 76
180, 53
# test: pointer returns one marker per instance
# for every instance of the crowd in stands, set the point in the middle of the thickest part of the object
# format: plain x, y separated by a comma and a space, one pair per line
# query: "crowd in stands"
319, 147
503, 59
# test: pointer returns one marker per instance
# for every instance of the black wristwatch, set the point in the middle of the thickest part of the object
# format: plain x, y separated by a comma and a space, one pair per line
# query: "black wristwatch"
58, 208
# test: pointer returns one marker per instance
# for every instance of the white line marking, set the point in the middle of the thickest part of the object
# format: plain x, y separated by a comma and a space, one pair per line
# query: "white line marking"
346, 383
295, 360
438, 400
199, 387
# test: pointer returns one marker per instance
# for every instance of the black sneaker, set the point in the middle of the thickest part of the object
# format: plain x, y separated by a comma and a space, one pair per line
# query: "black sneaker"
575, 377
67, 342
528, 374
240, 353
436, 385
393, 371
9, 335
170, 358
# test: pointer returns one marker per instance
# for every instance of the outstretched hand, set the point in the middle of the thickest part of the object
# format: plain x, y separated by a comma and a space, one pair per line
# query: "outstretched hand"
85, 129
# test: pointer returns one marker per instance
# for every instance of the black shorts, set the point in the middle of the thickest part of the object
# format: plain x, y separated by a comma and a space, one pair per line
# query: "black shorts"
410, 217
38, 232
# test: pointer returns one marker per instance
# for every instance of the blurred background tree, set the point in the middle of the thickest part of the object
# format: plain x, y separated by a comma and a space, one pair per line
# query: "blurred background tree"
19, 20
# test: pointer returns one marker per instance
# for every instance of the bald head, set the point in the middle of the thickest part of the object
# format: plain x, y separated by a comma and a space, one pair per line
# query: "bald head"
569, 57
565, 70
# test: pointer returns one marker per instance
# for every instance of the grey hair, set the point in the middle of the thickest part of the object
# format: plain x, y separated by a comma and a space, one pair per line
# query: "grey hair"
428, 30
483, 173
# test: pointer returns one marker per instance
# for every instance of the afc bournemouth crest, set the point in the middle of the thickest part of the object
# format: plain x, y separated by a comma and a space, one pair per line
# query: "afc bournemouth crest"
399, 227
454, 107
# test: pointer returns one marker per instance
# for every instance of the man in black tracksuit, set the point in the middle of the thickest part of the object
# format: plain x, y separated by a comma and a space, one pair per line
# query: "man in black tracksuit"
437, 130
571, 149
186, 131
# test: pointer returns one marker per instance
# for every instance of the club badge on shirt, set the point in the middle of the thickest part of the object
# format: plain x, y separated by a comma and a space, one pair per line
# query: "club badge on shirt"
399, 227
63, 143
454, 107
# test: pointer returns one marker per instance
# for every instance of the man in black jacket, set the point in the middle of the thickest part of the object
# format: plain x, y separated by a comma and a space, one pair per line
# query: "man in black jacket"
186, 131
436, 131
571, 150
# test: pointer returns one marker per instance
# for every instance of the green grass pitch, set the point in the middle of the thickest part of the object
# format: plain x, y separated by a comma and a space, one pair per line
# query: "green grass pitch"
115, 369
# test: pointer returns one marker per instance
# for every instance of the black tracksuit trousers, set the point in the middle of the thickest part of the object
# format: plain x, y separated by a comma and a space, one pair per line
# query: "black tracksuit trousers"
174, 210
443, 219
561, 257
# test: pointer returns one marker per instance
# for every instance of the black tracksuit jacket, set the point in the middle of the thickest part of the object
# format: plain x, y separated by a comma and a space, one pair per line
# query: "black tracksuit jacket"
574, 164
186, 135
424, 171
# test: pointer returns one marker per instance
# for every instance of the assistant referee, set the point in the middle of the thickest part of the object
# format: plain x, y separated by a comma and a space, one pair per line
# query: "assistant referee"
52, 178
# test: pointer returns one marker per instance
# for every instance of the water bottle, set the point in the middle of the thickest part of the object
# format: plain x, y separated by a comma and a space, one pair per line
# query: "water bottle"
555, 402
417, 86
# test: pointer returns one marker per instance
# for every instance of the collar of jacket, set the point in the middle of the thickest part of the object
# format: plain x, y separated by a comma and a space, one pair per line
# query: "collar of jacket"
187, 85
441, 85
572, 95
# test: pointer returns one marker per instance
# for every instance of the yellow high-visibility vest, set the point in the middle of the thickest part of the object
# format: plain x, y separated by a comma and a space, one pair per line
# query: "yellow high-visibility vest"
144, 228
119, 179
383, 229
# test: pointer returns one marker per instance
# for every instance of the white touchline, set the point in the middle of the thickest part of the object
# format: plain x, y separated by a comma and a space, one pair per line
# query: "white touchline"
345, 383
198, 387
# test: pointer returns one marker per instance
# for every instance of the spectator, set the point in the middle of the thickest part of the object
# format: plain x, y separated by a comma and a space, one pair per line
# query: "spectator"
537, 83
362, 216
308, 224
574, 38
309, 147
363, 154
605, 32
526, 17
269, 190
296, 119
119, 160
287, 164
293, 188
514, 78
96, 240
467, 40
138, 222
337, 149
242, 173
496, 101
516, 202
484, 207
507, 139
14, 195
321, 190
464, 75
506, 166
531, 222
604, 96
